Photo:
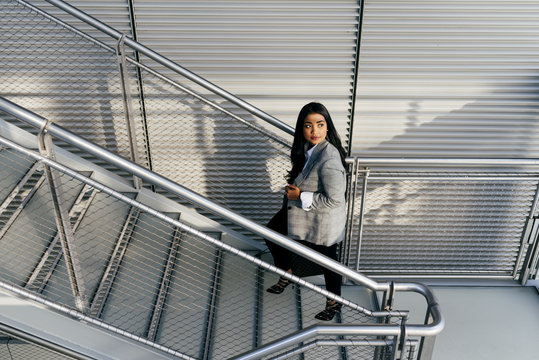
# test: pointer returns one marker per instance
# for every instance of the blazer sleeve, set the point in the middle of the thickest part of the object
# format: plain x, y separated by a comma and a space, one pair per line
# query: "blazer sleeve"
333, 183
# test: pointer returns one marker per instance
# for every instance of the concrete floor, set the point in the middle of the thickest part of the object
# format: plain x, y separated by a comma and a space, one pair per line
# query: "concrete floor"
490, 323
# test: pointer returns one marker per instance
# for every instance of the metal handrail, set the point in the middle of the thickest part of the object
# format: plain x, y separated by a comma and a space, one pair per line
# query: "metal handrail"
38, 121
372, 161
170, 64
179, 225
313, 331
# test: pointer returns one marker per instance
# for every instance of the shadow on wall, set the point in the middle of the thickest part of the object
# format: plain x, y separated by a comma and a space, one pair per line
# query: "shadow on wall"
443, 226
212, 153
501, 124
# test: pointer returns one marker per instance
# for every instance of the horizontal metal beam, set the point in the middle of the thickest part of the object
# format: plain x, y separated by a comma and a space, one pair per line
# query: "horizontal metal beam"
163, 351
41, 342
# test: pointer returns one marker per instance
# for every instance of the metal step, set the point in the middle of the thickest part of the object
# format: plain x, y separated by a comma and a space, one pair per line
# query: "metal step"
50, 259
13, 167
191, 297
129, 305
29, 232
280, 313
95, 237
14, 203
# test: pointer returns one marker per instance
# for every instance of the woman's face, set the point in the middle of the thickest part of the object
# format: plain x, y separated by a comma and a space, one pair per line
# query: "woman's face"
315, 128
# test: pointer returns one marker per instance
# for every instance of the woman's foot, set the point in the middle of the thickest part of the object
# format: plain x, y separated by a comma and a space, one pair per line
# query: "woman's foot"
279, 287
332, 308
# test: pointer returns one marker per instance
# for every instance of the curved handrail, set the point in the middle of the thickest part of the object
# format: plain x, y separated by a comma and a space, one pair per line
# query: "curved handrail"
170, 64
327, 330
160, 181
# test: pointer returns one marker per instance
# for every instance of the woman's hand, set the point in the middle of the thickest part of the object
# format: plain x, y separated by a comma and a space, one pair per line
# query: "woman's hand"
292, 192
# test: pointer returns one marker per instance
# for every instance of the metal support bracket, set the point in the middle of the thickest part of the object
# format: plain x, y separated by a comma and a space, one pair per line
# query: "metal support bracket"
362, 215
50, 259
63, 223
128, 106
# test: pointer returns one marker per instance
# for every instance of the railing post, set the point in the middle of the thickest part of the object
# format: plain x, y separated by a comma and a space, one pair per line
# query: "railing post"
362, 216
529, 237
426, 347
128, 106
63, 223
346, 252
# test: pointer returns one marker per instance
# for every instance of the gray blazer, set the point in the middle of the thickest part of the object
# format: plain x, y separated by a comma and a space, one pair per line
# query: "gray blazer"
325, 176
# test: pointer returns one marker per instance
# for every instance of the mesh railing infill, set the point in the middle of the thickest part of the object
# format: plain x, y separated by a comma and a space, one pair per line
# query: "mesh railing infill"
348, 347
62, 75
463, 223
151, 275
209, 151
13, 347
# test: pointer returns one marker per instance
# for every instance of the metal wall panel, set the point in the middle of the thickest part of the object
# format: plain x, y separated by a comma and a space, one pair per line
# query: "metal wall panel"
277, 55
448, 79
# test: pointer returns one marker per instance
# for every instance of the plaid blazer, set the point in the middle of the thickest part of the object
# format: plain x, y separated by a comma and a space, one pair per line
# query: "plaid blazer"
324, 175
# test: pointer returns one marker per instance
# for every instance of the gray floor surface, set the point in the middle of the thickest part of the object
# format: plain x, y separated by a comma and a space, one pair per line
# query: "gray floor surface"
490, 323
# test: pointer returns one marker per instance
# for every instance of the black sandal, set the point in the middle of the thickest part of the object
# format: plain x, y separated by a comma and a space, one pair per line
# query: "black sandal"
329, 312
279, 287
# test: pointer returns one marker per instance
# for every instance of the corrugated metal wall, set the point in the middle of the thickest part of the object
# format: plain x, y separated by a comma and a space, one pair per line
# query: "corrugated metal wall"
449, 79
277, 55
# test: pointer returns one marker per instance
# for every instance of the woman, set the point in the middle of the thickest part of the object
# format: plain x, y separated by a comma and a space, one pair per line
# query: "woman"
315, 199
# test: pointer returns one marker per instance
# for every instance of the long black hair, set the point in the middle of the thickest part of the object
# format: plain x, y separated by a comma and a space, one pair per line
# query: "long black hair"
297, 155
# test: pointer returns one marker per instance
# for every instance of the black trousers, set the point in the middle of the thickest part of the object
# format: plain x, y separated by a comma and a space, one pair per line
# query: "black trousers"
285, 259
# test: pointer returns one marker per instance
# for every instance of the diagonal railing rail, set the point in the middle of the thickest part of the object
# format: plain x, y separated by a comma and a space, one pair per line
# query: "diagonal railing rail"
425, 331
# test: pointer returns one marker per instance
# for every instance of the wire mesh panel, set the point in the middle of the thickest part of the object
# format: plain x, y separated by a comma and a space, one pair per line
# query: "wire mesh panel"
13, 348
63, 76
464, 223
234, 161
147, 273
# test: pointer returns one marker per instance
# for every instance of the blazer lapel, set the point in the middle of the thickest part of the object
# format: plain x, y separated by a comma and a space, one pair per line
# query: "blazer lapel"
312, 160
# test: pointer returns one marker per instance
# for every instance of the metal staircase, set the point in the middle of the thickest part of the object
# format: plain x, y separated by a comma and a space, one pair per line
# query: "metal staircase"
145, 272
106, 246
